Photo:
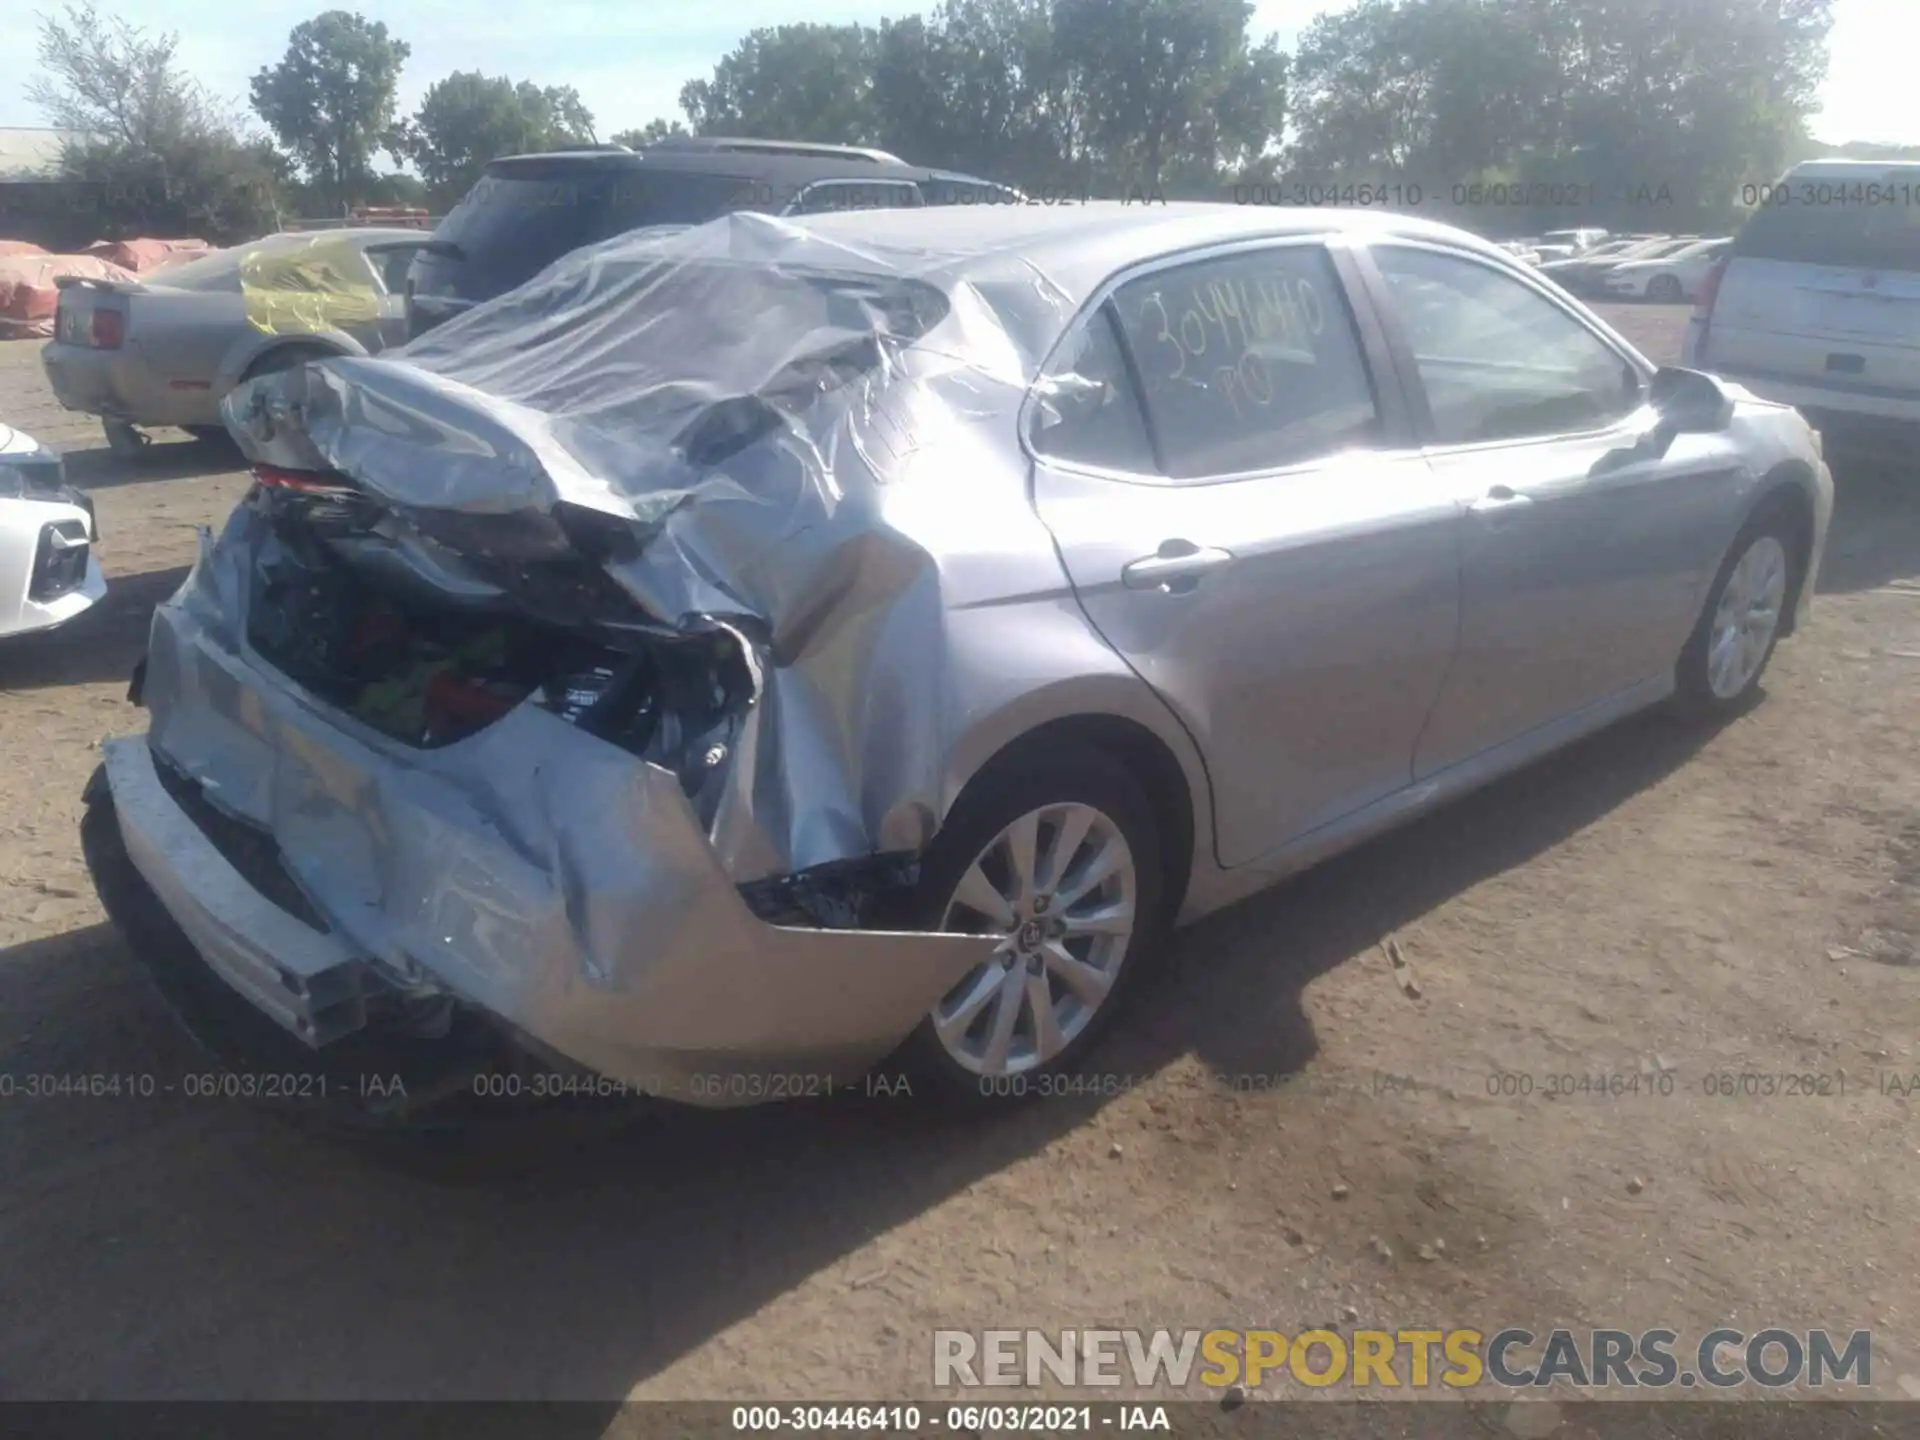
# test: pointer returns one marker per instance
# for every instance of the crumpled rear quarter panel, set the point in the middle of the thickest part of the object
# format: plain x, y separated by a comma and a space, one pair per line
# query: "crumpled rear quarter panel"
545, 875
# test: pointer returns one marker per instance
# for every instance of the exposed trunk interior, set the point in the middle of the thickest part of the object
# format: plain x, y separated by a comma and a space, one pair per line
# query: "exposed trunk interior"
429, 643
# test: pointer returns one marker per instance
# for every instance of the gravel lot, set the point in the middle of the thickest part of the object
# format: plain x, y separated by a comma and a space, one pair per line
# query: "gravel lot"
1653, 903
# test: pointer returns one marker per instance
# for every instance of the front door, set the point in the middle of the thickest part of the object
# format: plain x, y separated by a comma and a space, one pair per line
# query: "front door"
1584, 545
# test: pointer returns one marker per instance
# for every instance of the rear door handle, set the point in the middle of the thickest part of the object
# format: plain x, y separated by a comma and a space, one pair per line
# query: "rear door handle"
1179, 565
1499, 500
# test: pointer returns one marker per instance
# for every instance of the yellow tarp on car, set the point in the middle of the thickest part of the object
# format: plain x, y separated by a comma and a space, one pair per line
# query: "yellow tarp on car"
325, 284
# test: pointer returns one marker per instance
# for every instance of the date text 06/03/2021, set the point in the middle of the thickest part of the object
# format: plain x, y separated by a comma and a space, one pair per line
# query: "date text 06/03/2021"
200, 1085
958, 1420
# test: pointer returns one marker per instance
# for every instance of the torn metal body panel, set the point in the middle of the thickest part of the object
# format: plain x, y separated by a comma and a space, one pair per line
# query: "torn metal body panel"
552, 879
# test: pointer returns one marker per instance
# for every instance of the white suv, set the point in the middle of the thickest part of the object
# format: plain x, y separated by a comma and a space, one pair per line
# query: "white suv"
1818, 303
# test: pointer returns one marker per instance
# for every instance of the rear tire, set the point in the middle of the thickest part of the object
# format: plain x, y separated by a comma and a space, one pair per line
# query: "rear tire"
1665, 290
1720, 668
1059, 853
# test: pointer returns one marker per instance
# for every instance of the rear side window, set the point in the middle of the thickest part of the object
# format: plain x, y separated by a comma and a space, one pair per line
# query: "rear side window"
218, 271
1855, 225
1248, 362
511, 227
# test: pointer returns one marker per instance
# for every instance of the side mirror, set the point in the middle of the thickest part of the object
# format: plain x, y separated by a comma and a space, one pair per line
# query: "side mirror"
1690, 401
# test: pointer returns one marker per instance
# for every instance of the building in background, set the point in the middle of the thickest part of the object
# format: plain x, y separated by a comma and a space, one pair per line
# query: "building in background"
31, 152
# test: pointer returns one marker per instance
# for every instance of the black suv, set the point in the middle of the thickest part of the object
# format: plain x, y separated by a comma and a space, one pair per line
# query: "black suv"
527, 211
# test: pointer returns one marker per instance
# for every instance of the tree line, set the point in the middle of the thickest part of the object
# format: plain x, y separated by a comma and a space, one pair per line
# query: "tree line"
1631, 113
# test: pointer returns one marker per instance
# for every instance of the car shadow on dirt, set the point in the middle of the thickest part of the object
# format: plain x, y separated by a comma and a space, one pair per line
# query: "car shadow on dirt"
168, 1245
179, 458
1875, 535
101, 644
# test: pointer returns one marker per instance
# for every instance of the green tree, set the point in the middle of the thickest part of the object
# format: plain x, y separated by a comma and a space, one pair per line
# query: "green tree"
651, 133
153, 152
1646, 113
1174, 92
331, 98
467, 119
1043, 94
791, 82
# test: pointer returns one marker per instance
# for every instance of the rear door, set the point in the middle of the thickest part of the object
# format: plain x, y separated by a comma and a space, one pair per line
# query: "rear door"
1260, 540
1823, 287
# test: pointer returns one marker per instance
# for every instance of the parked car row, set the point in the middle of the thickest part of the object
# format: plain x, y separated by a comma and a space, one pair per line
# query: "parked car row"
166, 349
732, 644
1658, 267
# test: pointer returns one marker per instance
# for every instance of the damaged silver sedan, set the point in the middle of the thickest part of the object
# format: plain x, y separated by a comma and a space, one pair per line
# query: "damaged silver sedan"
742, 655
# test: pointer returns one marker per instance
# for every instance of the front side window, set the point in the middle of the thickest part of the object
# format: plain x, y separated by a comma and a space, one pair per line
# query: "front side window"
1249, 361
1498, 360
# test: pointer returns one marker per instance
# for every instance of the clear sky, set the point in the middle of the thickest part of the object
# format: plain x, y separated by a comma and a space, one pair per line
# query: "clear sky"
629, 60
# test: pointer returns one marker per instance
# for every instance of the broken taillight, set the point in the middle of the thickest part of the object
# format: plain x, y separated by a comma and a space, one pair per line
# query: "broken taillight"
109, 329
302, 482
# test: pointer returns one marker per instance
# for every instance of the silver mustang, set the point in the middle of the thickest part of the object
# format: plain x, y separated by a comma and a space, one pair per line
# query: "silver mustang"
744, 654
166, 350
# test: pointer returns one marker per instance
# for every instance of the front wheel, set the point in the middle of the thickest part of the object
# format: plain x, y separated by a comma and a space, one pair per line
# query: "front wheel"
1665, 289
1058, 858
1723, 661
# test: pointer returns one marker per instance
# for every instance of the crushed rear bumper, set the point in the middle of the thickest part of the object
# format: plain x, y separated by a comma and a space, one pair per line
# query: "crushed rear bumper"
531, 871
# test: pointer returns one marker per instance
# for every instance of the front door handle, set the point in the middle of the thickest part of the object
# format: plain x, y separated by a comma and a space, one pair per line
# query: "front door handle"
1180, 565
1500, 498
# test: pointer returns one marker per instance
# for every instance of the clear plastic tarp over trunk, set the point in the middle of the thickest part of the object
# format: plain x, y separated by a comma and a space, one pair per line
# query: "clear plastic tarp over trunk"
738, 401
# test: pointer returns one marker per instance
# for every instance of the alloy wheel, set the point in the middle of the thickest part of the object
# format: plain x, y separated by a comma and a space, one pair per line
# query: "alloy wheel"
1059, 886
1746, 618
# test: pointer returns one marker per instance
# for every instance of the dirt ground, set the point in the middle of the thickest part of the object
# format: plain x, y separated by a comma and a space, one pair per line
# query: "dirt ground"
1654, 903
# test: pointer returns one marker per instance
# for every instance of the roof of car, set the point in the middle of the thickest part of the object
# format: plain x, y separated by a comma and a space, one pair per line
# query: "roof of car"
770, 166
1853, 169
1079, 245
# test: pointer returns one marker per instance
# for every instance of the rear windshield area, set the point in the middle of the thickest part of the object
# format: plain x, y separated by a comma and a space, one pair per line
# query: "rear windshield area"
511, 227
1846, 224
221, 270
707, 354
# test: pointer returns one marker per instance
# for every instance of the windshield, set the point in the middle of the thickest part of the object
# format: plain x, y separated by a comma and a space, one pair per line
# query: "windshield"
511, 227
1864, 236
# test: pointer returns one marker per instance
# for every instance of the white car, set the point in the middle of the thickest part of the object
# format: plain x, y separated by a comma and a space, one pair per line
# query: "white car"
1817, 304
48, 573
1578, 241
1667, 279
